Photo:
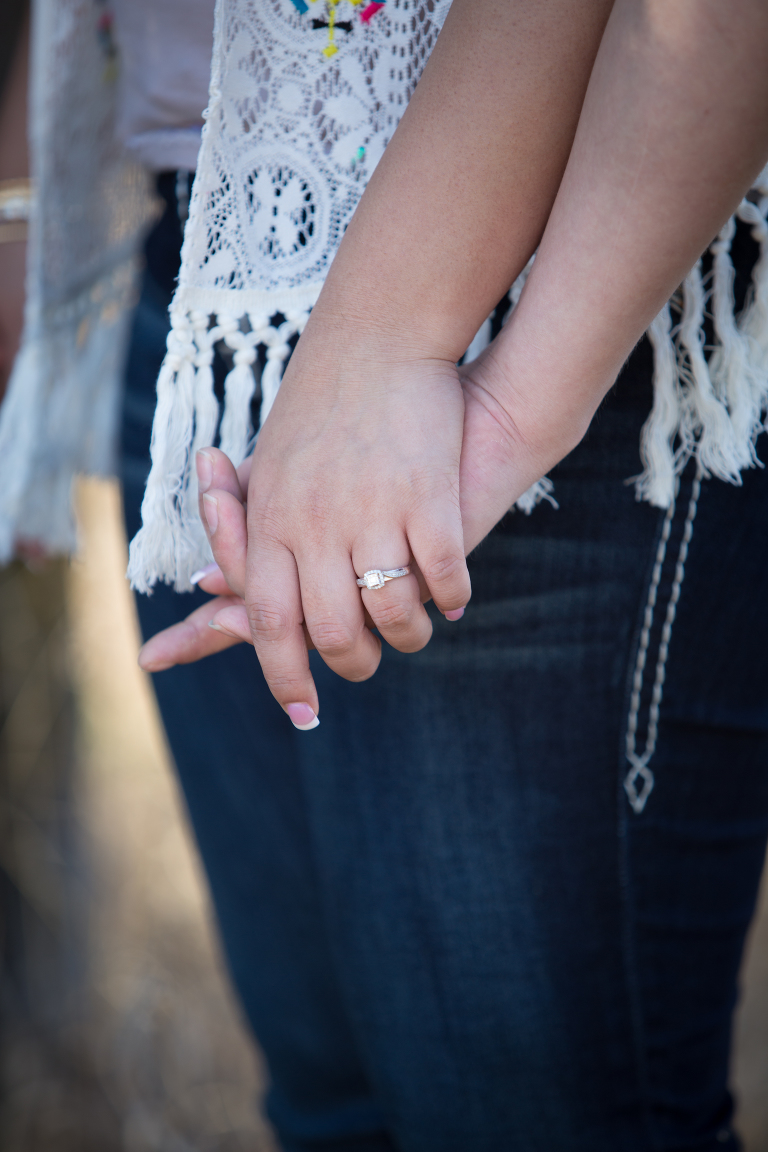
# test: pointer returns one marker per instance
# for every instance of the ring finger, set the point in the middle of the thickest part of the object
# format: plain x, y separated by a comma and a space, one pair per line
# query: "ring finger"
395, 607
334, 616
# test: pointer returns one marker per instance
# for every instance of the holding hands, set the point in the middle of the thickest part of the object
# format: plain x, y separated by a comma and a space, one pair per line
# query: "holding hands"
580, 130
333, 490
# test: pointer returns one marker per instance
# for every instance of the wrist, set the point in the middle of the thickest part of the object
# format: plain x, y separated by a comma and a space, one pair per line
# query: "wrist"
349, 344
544, 401
370, 320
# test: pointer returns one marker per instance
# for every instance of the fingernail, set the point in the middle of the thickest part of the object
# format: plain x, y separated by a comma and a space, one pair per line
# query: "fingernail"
211, 510
201, 573
455, 614
204, 466
218, 628
302, 716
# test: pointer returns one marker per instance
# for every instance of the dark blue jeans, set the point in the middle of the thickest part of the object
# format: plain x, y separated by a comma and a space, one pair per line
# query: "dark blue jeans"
449, 928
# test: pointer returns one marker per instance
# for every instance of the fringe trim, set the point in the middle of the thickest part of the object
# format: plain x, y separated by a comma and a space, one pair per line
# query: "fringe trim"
172, 543
711, 409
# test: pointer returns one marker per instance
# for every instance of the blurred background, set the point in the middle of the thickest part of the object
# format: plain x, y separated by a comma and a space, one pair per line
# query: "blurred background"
119, 1029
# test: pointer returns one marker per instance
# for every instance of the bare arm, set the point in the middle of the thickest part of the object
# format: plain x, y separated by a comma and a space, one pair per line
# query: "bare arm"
673, 131
460, 199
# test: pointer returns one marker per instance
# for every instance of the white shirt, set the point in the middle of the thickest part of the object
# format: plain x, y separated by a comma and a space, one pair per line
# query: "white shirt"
165, 63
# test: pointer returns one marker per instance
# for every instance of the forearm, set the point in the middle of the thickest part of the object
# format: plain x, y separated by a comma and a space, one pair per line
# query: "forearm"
673, 131
459, 201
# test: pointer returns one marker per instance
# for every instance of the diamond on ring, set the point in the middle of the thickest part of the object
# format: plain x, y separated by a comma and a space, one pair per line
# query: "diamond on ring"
374, 579
377, 579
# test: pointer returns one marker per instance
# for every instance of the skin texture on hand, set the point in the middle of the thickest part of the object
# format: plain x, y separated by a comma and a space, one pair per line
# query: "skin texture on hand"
496, 468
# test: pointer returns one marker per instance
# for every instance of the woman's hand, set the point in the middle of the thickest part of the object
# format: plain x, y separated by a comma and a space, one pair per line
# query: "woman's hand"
508, 444
357, 468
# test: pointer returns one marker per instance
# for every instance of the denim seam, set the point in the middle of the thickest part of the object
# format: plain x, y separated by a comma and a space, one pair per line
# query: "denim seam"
639, 763
631, 976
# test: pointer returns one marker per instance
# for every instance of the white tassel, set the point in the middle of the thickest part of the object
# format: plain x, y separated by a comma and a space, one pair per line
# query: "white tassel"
754, 321
172, 543
162, 548
206, 410
729, 366
278, 351
239, 386
541, 490
271, 378
706, 415
480, 343
657, 482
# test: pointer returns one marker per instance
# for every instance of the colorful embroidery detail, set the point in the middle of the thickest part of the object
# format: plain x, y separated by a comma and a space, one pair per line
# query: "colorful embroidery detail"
371, 10
332, 23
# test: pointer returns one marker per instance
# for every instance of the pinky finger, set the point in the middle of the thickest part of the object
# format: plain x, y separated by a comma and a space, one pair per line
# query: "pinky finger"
187, 641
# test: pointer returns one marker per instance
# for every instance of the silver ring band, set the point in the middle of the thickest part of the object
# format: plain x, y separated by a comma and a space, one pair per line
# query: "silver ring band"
377, 579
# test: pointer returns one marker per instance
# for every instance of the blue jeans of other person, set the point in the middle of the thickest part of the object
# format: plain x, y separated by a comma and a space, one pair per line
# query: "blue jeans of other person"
448, 928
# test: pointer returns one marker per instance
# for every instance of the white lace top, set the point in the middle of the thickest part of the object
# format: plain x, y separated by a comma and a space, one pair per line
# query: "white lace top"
293, 136
304, 96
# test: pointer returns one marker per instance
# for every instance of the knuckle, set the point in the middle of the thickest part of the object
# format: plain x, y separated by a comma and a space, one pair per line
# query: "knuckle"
286, 687
443, 569
394, 616
270, 622
332, 638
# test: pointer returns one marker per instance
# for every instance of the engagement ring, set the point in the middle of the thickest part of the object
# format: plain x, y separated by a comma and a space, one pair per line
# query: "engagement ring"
377, 579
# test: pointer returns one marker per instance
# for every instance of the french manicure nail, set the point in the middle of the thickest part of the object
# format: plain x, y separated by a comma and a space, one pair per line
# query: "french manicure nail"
211, 510
201, 573
204, 466
455, 614
218, 628
302, 716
